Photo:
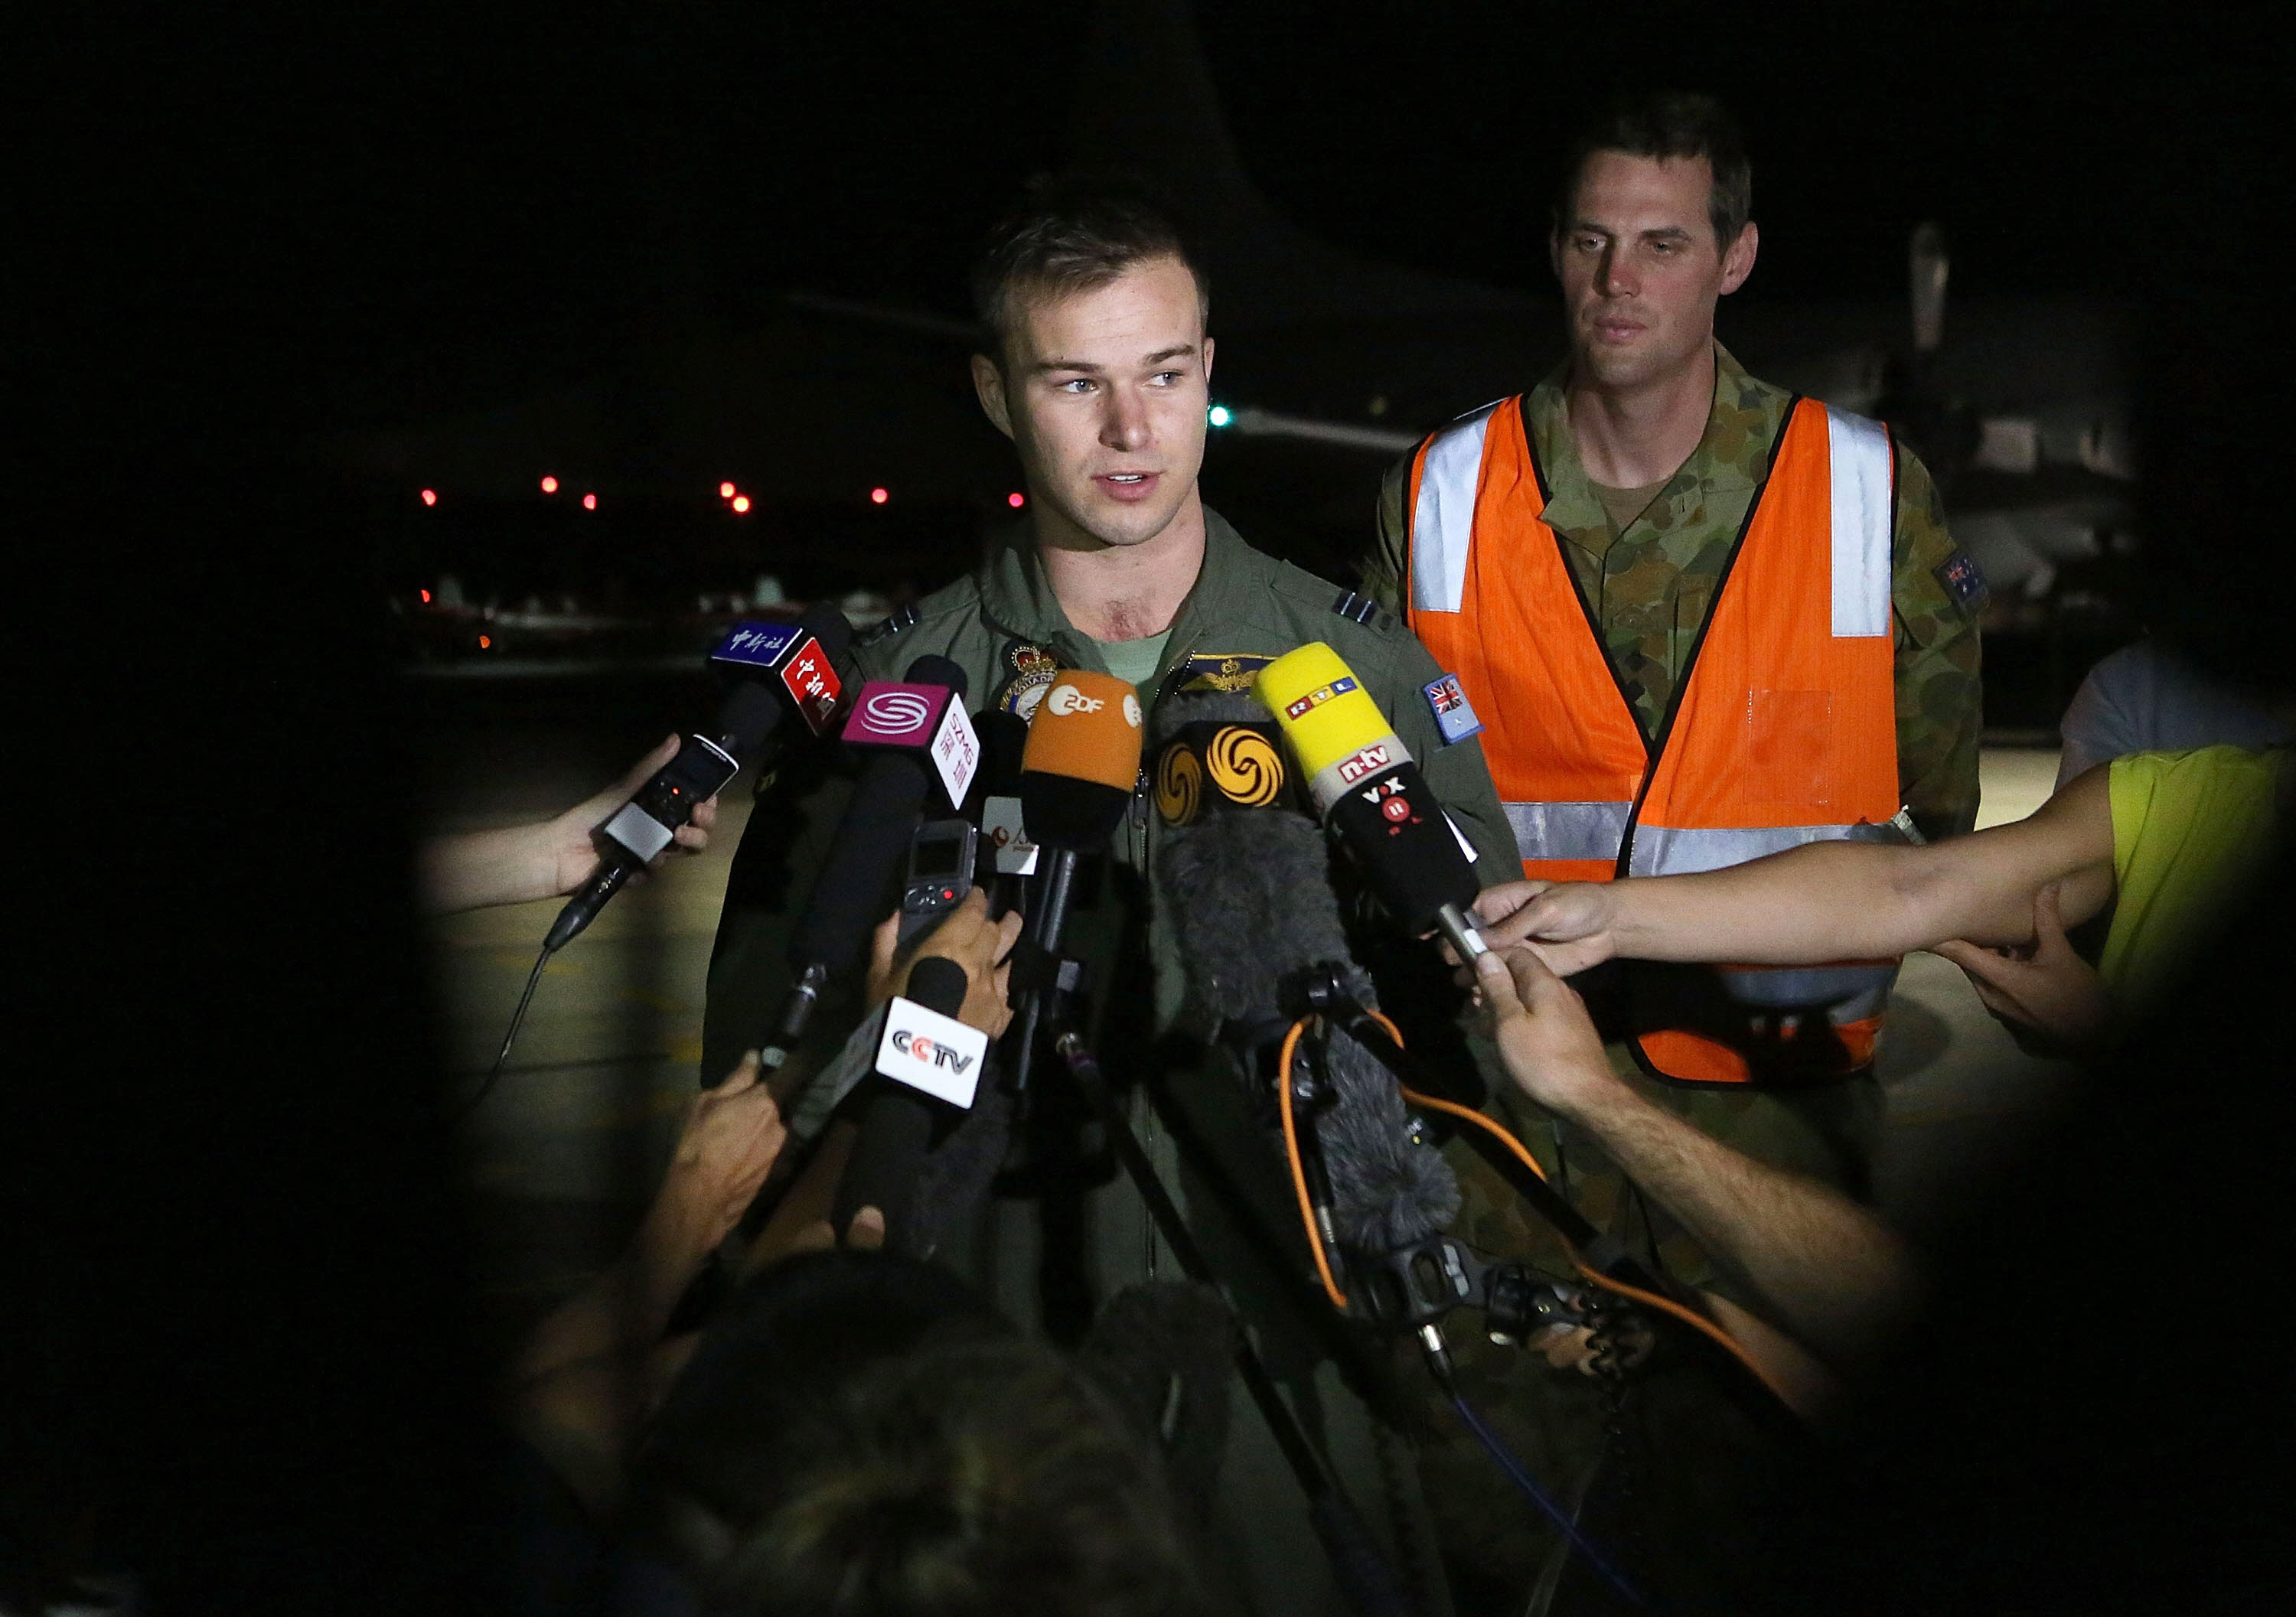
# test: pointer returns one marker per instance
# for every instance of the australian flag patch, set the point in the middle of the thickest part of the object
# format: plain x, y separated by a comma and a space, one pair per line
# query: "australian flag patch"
1960, 577
1454, 715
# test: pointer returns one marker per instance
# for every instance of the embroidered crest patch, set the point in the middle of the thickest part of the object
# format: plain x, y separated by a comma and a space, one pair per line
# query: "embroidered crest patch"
1454, 715
1028, 674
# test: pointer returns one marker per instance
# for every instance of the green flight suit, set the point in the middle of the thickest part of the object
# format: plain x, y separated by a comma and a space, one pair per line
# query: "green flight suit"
1048, 1260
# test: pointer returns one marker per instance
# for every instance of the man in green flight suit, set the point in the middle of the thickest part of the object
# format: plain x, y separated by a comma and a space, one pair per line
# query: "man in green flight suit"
1095, 362
1653, 445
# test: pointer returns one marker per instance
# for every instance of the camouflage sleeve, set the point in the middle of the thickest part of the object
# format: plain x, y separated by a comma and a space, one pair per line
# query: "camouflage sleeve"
1940, 706
1383, 568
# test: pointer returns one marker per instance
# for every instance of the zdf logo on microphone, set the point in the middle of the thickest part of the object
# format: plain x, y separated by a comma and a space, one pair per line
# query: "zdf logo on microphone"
1066, 698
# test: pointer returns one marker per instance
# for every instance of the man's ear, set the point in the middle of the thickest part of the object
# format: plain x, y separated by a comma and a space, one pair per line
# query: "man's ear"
1738, 263
1207, 361
989, 387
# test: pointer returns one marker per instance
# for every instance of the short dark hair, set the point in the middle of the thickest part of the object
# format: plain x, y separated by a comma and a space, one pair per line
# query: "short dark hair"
1069, 233
1671, 124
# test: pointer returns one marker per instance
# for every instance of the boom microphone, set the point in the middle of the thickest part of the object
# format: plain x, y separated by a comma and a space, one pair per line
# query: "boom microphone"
770, 670
1078, 775
1362, 781
1250, 893
908, 731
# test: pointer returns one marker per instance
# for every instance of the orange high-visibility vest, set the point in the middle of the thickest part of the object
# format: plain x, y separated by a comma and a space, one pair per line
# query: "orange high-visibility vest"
1782, 729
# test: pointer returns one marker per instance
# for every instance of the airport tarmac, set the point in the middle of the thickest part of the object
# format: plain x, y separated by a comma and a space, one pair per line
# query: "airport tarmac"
560, 1157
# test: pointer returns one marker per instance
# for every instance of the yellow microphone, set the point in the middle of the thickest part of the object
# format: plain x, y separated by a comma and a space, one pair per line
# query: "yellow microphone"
1371, 794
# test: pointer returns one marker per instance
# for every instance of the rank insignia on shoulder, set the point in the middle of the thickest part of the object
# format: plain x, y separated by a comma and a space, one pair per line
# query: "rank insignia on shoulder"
1454, 715
1229, 671
1358, 609
1960, 577
1028, 672
904, 619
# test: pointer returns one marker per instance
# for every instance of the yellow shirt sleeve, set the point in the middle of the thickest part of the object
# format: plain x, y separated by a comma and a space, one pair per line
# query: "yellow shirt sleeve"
2189, 832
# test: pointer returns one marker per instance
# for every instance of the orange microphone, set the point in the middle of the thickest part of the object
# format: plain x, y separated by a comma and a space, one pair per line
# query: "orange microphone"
1078, 775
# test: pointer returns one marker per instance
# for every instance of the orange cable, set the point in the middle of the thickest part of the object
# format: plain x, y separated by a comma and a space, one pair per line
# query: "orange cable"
1689, 1317
1300, 1174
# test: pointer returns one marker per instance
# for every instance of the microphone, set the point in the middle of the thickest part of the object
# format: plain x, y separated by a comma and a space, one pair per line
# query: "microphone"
912, 730
1371, 795
1249, 890
1006, 853
1078, 775
896, 1119
769, 671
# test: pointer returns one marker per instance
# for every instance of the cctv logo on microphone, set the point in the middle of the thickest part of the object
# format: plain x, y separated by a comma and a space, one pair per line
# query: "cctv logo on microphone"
928, 1051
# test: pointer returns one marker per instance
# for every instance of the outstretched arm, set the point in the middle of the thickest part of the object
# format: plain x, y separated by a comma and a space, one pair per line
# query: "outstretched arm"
1829, 900
550, 859
1832, 1274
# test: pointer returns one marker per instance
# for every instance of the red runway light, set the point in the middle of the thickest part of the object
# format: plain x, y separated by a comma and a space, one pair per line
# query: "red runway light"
725, 491
426, 597
878, 497
741, 502
550, 485
485, 641
429, 496
1016, 500
589, 502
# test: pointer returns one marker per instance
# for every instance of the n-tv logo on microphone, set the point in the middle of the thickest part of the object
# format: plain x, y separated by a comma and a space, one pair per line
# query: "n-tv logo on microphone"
930, 1052
1363, 761
813, 684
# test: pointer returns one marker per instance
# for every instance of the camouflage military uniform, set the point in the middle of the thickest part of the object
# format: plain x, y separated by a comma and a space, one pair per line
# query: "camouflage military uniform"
1650, 587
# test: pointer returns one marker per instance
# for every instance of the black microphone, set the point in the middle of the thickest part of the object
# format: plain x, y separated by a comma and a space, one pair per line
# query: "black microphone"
1246, 883
898, 1122
900, 724
769, 672
1007, 856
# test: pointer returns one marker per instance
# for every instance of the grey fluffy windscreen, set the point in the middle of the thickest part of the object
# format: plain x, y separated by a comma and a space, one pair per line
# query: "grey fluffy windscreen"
1250, 900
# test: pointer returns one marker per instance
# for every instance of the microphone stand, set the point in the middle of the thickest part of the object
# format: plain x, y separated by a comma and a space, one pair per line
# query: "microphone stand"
1371, 1584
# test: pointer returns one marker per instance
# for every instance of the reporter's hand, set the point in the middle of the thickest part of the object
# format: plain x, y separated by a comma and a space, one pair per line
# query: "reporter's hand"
966, 936
573, 854
1545, 1039
1568, 923
2049, 989
732, 1136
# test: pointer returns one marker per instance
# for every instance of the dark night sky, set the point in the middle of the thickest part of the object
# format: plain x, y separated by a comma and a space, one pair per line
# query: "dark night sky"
395, 209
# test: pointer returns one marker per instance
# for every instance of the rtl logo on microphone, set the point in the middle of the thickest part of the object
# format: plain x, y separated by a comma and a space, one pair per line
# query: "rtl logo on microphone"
930, 1052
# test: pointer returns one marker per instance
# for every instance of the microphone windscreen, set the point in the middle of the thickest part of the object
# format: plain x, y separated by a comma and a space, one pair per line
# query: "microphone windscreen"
827, 625
930, 669
857, 886
1088, 728
753, 709
1251, 899
1408, 853
937, 983
1003, 738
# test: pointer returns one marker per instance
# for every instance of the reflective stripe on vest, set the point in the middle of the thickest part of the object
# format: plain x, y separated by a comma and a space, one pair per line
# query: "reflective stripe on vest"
1784, 726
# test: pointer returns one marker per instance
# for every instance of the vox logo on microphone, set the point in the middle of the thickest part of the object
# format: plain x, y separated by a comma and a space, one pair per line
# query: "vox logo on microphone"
928, 1051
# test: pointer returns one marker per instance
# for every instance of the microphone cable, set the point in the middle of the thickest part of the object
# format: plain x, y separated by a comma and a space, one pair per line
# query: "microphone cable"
517, 1019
